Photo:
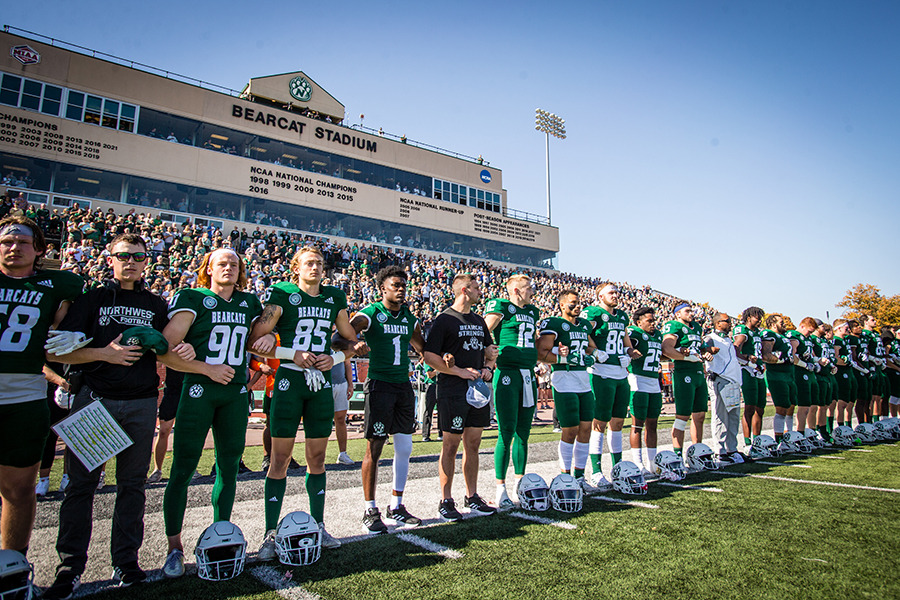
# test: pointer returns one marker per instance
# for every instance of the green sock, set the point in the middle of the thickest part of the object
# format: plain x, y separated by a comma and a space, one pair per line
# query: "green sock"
875, 418
595, 462
830, 424
579, 473
274, 494
315, 489
748, 441
616, 458
677, 451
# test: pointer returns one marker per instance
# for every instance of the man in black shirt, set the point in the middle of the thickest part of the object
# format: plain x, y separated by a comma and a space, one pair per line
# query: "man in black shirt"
124, 378
460, 349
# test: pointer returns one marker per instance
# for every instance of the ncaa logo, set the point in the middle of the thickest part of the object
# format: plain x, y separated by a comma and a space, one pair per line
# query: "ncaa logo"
687, 378
485, 176
378, 428
196, 391
506, 380
565, 326
209, 302
457, 423
283, 385
382, 318
294, 298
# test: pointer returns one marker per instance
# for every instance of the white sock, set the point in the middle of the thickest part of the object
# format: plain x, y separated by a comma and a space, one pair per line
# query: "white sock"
778, 424
615, 441
581, 454
370, 504
637, 455
789, 423
596, 443
396, 501
402, 452
565, 456
651, 457
501, 492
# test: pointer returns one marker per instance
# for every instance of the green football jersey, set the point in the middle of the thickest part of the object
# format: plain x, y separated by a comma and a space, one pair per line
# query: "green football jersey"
28, 306
650, 347
306, 321
514, 335
805, 349
782, 345
752, 346
820, 348
575, 336
841, 350
853, 341
220, 329
872, 345
388, 336
609, 331
686, 336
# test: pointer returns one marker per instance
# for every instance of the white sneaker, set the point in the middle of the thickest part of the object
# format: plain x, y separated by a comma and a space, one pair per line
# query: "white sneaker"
600, 482
102, 481
328, 541
155, 476
64, 482
267, 550
42, 487
344, 459
504, 503
174, 565
586, 487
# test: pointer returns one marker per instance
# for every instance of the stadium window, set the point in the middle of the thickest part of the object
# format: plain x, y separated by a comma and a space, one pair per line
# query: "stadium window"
75, 106
110, 114
92, 110
29, 94
127, 118
52, 100
9, 90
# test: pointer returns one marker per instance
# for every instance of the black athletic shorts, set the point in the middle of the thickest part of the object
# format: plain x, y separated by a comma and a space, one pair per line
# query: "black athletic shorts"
455, 414
390, 408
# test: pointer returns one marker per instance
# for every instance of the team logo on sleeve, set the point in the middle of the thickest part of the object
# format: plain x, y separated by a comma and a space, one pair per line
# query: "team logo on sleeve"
565, 326
209, 302
284, 384
605, 317
196, 391
512, 309
294, 298
645, 337
457, 423
382, 318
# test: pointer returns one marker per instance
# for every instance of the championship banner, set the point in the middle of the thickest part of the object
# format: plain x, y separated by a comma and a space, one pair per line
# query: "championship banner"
92, 435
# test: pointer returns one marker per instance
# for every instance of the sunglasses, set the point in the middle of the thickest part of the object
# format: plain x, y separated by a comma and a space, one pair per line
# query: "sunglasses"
137, 256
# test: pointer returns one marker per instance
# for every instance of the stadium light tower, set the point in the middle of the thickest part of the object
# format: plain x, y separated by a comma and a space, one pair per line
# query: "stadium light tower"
554, 125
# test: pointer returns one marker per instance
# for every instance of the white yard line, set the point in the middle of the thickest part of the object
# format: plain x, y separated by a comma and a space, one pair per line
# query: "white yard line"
778, 464
429, 545
621, 501
814, 559
542, 520
828, 483
833, 457
285, 588
699, 488
860, 450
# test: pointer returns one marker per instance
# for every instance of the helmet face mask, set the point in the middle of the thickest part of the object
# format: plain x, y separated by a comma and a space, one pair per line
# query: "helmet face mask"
16, 576
221, 552
843, 436
669, 466
764, 446
628, 479
565, 494
813, 438
701, 458
866, 432
297, 539
533, 492
887, 429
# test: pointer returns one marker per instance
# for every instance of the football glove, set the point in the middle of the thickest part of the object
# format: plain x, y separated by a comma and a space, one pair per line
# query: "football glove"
64, 342
624, 360
600, 356
314, 379
693, 358
864, 356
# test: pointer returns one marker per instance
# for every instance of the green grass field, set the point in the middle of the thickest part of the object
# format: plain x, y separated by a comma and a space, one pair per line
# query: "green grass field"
757, 538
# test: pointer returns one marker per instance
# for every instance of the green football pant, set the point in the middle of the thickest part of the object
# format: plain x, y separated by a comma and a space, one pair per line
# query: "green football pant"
753, 389
513, 421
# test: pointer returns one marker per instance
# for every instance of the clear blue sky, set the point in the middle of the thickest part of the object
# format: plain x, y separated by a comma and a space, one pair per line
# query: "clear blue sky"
736, 152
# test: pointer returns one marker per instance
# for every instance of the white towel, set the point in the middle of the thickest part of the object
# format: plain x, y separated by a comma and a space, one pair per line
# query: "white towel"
527, 389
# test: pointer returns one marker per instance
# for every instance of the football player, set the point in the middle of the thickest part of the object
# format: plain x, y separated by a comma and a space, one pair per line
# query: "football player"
862, 373
892, 367
215, 318
513, 323
33, 302
609, 379
389, 328
816, 419
875, 349
683, 344
778, 353
806, 365
748, 346
565, 343
831, 401
845, 352
304, 311
646, 394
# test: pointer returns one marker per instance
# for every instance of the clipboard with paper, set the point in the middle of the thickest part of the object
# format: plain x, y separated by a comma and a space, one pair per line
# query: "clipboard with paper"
93, 435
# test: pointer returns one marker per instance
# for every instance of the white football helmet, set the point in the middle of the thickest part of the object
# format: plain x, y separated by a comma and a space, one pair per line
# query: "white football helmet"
888, 429
297, 539
803, 445
533, 492
812, 436
669, 466
16, 576
843, 436
628, 479
790, 442
764, 446
221, 552
700, 457
565, 494
866, 432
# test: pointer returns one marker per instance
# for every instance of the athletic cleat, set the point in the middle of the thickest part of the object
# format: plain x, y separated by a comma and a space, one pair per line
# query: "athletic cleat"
128, 574
344, 459
293, 465
506, 504
726, 459
477, 505
448, 512
737, 458
328, 540
174, 565
64, 482
586, 487
264, 467
400, 516
372, 522
600, 482
42, 487
267, 550
64, 586
242, 468
155, 476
